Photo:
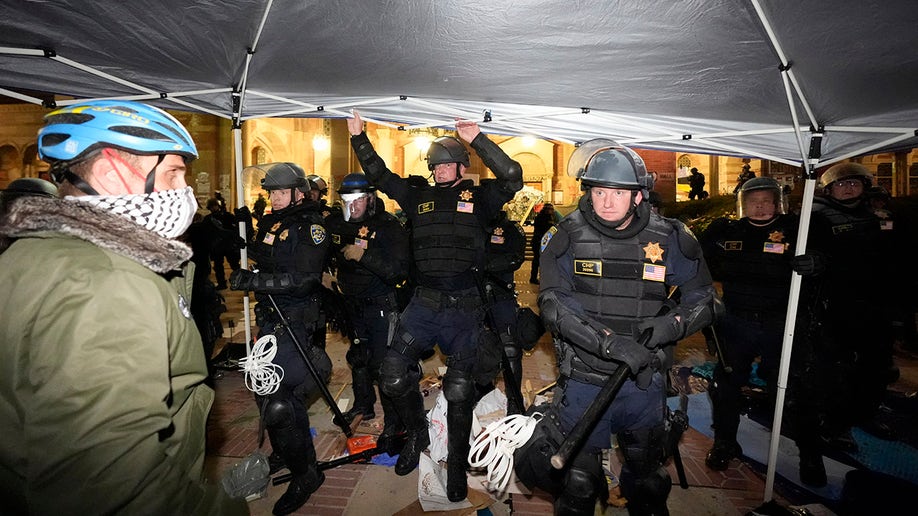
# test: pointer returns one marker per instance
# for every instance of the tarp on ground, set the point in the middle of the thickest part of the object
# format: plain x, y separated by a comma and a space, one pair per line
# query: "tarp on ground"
690, 75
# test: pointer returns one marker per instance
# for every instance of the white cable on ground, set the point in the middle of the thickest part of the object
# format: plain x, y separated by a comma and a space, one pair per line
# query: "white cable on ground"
262, 376
494, 447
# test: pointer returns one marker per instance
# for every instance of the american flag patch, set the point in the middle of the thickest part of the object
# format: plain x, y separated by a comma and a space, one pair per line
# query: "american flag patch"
465, 207
654, 272
774, 247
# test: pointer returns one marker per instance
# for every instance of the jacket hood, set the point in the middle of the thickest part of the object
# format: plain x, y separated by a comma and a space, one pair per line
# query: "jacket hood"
43, 217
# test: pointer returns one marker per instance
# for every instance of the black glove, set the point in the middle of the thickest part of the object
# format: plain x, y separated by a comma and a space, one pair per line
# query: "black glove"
239, 242
664, 329
809, 264
626, 350
242, 213
242, 279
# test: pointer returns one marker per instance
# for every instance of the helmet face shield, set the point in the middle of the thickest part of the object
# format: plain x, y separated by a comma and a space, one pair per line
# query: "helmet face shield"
844, 171
358, 206
760, 198
279, 176
604, 162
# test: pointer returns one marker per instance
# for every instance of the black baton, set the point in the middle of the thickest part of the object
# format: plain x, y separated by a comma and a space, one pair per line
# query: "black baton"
338, 416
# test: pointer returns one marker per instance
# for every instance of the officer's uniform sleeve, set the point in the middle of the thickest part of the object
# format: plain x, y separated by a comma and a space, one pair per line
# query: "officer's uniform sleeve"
377, 172
389, 261
712, 242
686, 269
514, 250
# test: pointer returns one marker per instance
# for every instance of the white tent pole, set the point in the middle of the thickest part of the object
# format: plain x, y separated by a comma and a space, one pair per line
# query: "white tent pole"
20, 96
243, 253
790, 318
865, 150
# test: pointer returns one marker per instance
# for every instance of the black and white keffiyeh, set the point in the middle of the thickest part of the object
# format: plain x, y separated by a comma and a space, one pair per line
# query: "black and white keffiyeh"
166, 212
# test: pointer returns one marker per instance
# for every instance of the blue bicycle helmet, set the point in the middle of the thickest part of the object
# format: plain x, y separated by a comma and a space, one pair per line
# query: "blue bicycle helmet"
75, 132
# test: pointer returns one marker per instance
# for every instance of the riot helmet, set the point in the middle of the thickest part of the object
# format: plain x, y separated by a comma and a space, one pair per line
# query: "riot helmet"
755, 194
30, 186
447, 149
355, 189
604, 162
74, 133
845, 170
319, 185
285, 176
279, 176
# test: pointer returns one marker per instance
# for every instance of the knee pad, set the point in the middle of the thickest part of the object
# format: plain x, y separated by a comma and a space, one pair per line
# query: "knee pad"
278, 414
458, 386
358, 355
584, 481
648, 490
644, 450
397, 376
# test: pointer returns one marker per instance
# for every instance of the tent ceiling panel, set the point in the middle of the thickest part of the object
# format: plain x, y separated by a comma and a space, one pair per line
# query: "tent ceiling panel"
650, 71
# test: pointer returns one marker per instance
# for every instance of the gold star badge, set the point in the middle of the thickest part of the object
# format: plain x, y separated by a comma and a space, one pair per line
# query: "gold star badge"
776, 236
498, 231
275, 227
363, 231
653, 252
466, 195
283, 235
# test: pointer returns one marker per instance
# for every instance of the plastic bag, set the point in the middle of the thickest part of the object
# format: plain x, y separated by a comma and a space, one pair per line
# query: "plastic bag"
248, 478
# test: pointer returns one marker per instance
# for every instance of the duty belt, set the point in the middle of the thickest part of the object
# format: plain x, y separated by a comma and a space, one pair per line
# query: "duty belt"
438, 300
383, 300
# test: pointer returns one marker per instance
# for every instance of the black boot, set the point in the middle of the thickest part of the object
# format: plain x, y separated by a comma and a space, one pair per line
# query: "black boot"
275, 463
812, 469
410, 409
721, 454
298, 492
458, 427
364, 395
292, 442
392, 438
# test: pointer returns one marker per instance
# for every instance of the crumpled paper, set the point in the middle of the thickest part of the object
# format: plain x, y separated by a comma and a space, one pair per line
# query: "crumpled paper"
432, 487
490, 408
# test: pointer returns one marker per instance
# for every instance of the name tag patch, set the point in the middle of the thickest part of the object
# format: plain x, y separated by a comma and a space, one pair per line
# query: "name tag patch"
425, 207
588, 267
733, 245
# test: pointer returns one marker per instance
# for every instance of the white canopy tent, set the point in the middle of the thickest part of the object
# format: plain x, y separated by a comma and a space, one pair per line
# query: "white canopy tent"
805, 83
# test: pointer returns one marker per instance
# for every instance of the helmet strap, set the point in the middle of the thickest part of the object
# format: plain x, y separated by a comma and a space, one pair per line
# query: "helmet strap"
78, 182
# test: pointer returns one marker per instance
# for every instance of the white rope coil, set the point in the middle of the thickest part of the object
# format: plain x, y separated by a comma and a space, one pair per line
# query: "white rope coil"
494, 447
262, 376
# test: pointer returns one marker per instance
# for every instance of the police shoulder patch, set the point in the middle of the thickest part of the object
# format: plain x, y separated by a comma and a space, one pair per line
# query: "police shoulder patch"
546, 238
317, 232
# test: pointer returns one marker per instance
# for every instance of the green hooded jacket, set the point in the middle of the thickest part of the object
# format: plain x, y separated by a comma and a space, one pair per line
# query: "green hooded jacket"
102, 401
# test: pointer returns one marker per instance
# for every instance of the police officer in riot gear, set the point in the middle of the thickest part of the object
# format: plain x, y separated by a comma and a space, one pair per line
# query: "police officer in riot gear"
370, 256
752, 258
448, 223
289, 250
607, 269
843, 353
